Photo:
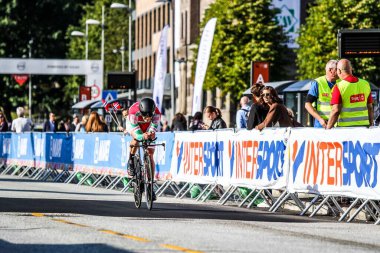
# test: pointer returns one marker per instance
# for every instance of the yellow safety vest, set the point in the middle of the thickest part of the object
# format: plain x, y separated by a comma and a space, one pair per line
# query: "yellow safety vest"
324, 98
354, 103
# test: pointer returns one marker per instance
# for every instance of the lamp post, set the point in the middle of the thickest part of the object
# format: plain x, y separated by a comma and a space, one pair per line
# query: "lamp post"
129, 9
121, 50
182, 96
90, 22
172, 86
85, 35
79, 34
30, 80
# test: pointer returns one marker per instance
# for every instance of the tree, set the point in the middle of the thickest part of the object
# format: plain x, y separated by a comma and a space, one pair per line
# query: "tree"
116, 30
318, 36
45, 22
246, 31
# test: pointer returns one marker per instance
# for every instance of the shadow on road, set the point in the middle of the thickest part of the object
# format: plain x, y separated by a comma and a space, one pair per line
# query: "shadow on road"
127, 209
57, 248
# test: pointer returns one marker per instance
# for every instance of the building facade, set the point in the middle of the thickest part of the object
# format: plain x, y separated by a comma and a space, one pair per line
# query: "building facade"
151, 16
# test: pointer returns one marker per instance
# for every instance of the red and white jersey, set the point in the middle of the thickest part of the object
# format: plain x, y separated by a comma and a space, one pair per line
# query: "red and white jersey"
136, 121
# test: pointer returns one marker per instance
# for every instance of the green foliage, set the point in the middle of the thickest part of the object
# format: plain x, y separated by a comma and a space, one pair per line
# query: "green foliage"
246, 31
44, 21
318, 36
116, 29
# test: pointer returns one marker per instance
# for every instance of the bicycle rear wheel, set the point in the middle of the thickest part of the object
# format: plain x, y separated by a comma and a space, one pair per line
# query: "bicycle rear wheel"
148, 182
137, 182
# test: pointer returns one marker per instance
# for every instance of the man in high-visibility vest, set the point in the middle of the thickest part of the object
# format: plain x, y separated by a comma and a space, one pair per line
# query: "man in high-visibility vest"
351, 99
320, 93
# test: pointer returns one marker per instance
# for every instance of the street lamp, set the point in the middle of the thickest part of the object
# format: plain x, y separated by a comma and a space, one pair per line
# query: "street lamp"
85, 35
79, 34
124, 6
89, 22
121, 50
30, 44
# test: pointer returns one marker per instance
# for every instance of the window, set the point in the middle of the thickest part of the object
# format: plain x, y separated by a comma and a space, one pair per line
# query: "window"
150, 28
137, 33
159, 19
182, 24
154, 21
164, 15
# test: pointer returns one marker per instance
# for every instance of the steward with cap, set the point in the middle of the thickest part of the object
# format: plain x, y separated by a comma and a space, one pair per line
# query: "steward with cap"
320, 94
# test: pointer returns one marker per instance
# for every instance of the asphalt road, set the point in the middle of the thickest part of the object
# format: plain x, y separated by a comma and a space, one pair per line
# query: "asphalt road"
55, 217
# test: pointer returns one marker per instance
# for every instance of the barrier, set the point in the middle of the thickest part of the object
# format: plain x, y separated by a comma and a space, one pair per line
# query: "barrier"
325, 163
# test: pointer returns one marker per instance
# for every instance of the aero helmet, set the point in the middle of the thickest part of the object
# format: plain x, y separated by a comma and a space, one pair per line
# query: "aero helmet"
147, 107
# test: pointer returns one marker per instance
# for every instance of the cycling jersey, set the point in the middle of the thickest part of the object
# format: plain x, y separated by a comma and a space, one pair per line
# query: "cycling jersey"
136, 124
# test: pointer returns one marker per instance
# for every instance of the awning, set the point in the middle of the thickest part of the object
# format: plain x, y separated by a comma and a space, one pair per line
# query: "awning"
97, 105
84, 104
300, 86
278, 86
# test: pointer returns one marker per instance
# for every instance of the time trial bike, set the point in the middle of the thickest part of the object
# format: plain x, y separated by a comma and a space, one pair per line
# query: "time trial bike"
144, 178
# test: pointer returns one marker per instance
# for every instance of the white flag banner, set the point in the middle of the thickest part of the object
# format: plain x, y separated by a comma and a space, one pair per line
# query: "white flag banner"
202, 63
161, 68
289, 18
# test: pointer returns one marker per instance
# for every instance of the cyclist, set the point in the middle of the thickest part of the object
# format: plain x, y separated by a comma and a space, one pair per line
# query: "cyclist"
142, 123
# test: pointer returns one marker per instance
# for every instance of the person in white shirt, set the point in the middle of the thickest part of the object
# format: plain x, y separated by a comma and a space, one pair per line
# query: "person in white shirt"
21, 124
243, 113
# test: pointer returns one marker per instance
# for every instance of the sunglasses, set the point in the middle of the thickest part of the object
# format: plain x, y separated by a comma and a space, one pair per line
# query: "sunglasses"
265, 94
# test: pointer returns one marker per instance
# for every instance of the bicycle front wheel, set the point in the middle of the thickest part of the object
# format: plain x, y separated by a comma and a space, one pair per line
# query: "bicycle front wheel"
137, 182
148, 182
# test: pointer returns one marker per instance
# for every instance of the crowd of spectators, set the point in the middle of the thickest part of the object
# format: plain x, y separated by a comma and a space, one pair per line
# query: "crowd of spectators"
328, 92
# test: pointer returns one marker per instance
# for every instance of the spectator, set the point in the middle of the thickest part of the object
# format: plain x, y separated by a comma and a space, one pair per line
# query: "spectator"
351, 99
242, 114
106, 129
94, 123
3, 123
64, 126
73, 125
320, 92
278, 114
179, 122
215, 115
123, 127
21, 124
165, 125
81, 127
50, 125
258, 111
196, 122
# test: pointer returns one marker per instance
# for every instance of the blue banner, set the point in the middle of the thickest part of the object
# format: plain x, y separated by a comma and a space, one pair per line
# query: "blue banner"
87, 152
163, 156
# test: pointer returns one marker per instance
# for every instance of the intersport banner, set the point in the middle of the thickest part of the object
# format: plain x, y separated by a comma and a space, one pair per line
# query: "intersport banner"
161, 68
255, 159
335, 162
197, 157
202, 63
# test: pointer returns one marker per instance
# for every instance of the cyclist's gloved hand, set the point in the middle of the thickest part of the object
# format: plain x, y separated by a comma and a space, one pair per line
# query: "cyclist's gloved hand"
152, 135
149, 135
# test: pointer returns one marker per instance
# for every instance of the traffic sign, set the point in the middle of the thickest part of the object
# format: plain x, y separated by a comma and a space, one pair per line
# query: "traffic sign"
108, 95
108, 118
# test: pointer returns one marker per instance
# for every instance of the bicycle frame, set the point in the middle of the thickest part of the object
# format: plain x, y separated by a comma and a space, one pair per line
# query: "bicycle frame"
144, 173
